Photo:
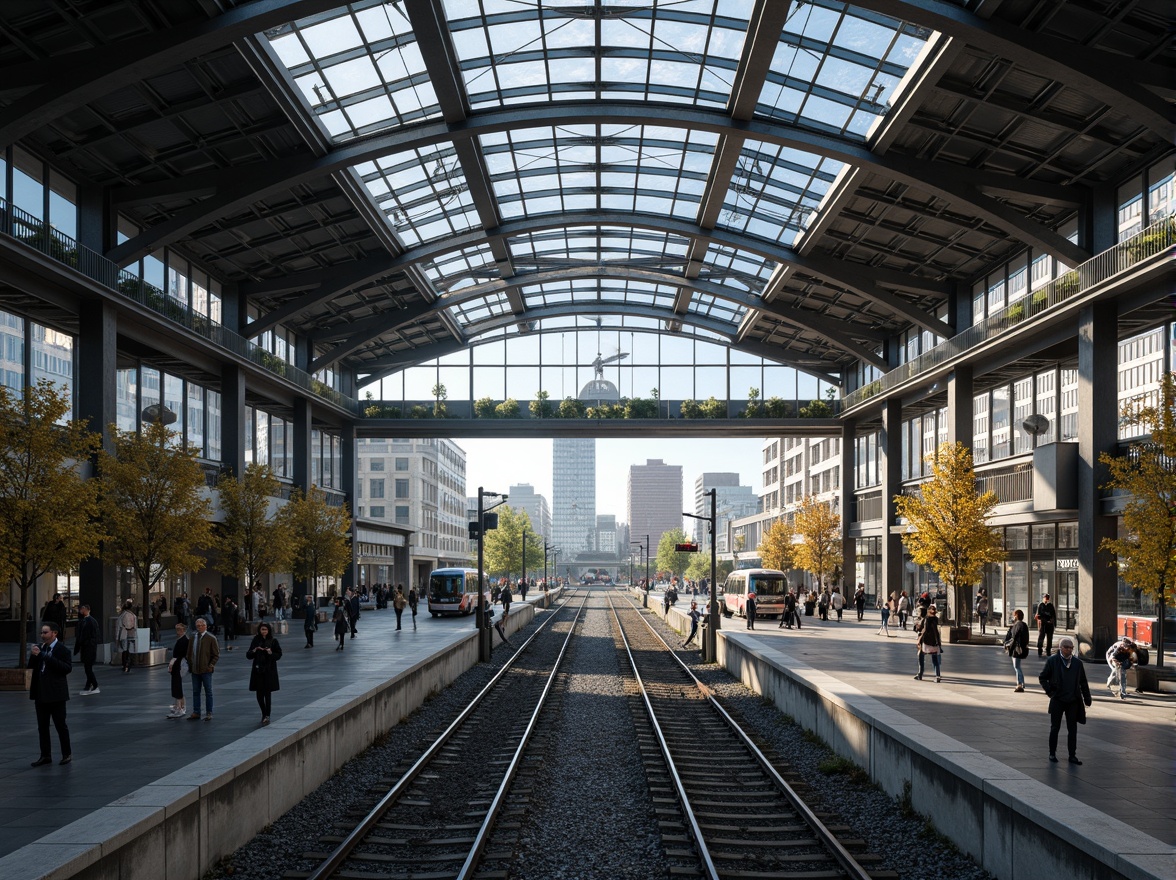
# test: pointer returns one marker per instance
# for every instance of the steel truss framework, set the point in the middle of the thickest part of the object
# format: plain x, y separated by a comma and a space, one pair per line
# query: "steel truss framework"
394, 181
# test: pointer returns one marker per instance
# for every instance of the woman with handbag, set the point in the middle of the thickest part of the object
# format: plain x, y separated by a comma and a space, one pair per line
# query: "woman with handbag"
341, 621
929, 642
265, 652
1016, 645
128, 626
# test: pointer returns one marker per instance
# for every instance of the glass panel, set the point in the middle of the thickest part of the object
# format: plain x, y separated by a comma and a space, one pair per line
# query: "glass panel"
173, 399
215, 425
53, 353
12, 332
196, 418
126, 399
1001, 427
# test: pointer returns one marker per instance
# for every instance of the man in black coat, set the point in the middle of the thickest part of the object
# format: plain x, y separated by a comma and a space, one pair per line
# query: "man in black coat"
1064, 681
86, 645
353, 610
51, 663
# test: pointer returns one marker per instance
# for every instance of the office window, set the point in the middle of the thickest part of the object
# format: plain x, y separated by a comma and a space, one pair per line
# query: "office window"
376, 488
402, 514
376, 464
377, 512
402, 488
402, 464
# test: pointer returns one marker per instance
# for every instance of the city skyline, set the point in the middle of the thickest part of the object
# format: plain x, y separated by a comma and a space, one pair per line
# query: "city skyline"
498, 464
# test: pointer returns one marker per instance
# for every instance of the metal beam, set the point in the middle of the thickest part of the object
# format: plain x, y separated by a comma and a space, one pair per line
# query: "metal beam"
61, 84
238, 187
1116, 80
841, 335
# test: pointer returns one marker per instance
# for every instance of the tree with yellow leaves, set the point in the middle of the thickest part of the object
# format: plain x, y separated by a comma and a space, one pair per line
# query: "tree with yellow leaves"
319, 535
819, 550
251, 542
948, 524
153, 506
776, 549
48, 509
1146, 555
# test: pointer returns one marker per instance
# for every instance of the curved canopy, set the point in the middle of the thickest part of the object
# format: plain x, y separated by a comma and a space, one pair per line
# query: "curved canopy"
391, 180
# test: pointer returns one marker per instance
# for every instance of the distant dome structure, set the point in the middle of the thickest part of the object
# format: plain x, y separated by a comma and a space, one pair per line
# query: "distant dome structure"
600, 390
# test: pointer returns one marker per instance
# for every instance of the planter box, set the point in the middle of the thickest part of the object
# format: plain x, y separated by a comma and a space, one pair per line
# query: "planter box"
15, 679
958, 634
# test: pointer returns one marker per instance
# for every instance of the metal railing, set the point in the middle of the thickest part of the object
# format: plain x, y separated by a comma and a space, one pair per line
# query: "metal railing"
869, 507
27, 229
1155, 239
1009, 484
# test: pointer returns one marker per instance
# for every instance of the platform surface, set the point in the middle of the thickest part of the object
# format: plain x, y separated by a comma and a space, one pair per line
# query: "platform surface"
121, 739
1128, 748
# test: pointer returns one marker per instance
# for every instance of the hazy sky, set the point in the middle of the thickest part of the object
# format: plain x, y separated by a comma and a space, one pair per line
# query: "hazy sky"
499, 464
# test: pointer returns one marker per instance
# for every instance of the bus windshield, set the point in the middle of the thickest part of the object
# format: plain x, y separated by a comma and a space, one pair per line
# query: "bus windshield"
768, 585
446, 585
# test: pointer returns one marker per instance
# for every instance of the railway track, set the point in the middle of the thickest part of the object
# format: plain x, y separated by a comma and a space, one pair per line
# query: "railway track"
435, 821
724, 808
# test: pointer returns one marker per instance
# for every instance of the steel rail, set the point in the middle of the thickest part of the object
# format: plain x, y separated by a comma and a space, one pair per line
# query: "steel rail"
844, 858
483, 835
708, 864
340, 853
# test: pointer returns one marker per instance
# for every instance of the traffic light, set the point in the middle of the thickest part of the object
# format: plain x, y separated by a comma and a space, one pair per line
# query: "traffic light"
688, 547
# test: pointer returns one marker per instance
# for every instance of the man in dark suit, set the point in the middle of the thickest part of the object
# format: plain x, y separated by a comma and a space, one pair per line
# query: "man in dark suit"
353, 610
86, 644
51, 663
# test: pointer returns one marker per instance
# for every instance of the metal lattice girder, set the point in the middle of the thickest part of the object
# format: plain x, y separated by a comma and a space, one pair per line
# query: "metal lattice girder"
237, 188
840, 334
1113, 79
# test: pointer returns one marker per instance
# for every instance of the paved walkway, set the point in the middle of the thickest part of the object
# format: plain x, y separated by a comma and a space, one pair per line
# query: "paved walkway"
1128, 748
121, 740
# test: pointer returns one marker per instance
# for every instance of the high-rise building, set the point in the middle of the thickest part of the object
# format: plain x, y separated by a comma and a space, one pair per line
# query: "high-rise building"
732, 501
655, 500
523, 497
420, 484
573, 481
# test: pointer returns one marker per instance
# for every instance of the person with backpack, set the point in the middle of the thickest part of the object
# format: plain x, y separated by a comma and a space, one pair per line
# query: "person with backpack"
929, 642
413, 600
1016, 645
399, 602
1120, 657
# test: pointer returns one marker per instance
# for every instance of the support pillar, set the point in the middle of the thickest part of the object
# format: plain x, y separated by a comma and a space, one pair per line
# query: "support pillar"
1098, 368
232, 445
959, 406
96, 402
350, 474
890, 470
848, 509
302, 471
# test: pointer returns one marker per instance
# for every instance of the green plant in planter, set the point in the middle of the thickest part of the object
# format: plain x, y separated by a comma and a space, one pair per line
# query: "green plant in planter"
713, 408
570, 408
421, 412
754, 409
690, 410
1068, 284
638, 408
484, 408
541, 407
1015, 312
777, 408
508, 409
817, 409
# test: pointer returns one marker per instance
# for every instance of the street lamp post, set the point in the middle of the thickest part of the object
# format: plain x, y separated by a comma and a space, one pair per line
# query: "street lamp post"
523, 566
710, 638
481, 621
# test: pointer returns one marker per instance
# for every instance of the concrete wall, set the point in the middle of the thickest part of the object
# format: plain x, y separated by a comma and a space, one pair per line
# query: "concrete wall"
1015, 827
180, 826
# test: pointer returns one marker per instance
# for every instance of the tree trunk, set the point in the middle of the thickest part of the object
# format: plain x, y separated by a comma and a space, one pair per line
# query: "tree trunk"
22, 614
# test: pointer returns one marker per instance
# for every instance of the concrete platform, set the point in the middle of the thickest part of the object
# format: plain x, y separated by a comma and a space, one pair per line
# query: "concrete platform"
135, 772
972, 731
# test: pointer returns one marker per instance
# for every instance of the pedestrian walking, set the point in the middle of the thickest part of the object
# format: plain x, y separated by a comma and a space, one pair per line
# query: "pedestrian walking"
86, 641
177, 667
230, 614
506, 597
1064, 681
823, 604
203, 654
838, 602
929, 642
49, 691
695, 616
413, 600
399, 602
54, 612
859, 601
1046, 616
128, 626
749, 608
1120, 657
884, 629
353, 611
1016, 645
341, 620
904, 606
523, 589
982, 610
310, 622
265, 652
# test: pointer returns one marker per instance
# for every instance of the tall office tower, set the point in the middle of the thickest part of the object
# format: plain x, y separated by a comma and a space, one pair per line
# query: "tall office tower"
523, 497
732, 501
655, 500
573, 483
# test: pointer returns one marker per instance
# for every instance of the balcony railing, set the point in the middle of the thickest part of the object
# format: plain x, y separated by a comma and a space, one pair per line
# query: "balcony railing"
869, 506
27, 229
1011, 484
1155, 239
